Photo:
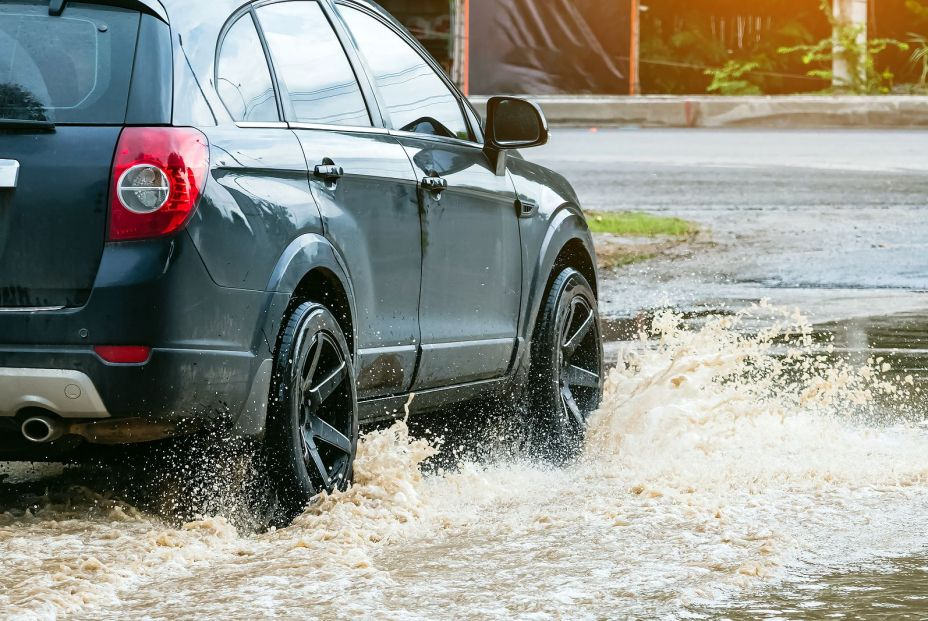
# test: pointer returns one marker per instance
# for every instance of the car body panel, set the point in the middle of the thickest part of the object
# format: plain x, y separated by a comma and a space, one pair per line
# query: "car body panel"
53, 224
442, 294
471, 265
256, 202
371, 215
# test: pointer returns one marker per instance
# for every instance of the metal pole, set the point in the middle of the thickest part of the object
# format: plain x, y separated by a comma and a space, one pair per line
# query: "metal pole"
465, 81
634, 80
849, 13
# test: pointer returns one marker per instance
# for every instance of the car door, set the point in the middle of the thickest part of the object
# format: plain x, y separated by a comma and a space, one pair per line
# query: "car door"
471, 253
363, 183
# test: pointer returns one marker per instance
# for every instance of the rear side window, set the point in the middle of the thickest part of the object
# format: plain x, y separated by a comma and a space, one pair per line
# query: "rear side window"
312, 66
71, 69
417, 99
243, 77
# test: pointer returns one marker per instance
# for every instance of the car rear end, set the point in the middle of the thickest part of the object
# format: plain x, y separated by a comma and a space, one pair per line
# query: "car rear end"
97, 275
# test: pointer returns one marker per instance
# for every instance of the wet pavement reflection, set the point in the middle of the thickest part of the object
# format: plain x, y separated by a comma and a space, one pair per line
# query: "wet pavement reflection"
892, 590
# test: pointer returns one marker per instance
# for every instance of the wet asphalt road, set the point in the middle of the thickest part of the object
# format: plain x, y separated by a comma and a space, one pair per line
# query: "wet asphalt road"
833, 222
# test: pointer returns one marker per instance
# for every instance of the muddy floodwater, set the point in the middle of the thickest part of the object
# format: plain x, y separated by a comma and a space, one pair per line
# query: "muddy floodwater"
731, 473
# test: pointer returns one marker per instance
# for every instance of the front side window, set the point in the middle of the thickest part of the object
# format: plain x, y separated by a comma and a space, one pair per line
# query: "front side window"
312, 66
417, 99
243, 77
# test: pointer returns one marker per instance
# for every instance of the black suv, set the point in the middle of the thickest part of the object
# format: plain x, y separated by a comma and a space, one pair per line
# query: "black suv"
281, 215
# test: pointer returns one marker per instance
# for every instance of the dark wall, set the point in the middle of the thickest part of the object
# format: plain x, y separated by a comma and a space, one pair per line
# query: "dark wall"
541, 47
899, 19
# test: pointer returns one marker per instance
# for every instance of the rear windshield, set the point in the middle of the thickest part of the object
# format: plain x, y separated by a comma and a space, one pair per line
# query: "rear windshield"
71, 69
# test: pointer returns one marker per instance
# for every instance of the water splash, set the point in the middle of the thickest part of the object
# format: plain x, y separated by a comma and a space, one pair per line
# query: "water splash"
720, 462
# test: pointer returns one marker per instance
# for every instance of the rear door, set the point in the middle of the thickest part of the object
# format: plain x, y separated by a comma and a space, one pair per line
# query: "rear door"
471, 255
64, 92
363, 184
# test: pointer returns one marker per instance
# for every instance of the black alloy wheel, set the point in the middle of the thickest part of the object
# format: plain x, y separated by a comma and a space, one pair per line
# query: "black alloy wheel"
566, 375
312, 431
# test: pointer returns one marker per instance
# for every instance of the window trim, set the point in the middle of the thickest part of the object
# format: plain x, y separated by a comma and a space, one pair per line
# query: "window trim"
288, 113
220, 43
261, 125
339, 128
426, 58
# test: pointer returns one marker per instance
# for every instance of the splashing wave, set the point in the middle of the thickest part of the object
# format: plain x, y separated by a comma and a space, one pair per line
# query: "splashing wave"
719, 463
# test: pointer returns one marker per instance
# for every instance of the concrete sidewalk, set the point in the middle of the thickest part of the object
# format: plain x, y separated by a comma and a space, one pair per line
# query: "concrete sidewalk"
787, 112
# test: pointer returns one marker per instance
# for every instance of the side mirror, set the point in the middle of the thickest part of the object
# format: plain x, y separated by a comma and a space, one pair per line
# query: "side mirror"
513, 123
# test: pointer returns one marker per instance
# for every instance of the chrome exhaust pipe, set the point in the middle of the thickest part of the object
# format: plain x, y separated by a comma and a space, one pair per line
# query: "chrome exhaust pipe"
42, 429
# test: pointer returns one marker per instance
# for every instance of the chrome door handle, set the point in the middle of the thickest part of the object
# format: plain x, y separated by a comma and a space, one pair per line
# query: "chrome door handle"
436, 185
329, 172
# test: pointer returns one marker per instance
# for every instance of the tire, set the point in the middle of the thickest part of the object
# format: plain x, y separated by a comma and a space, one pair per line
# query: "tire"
312, 424
565, 381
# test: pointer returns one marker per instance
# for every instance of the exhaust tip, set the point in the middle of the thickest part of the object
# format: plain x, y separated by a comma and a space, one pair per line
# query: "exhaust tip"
40, 430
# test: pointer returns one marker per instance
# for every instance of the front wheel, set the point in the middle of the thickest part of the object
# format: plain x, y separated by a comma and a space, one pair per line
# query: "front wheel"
566, 372
312, 427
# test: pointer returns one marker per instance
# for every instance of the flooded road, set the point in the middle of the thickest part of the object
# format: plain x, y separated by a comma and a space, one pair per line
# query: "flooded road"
722, 469
744, 464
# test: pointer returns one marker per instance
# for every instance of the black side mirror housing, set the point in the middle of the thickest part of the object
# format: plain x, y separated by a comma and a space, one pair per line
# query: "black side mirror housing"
513, 123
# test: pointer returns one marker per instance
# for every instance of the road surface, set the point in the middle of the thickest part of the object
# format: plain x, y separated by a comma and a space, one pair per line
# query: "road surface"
833, 222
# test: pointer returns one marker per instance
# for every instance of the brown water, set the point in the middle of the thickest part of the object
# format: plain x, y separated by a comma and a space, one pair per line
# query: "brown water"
725, 475
895, 589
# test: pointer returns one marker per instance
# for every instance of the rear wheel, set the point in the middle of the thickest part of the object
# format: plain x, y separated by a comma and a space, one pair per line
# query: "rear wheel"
565, 378
312, 427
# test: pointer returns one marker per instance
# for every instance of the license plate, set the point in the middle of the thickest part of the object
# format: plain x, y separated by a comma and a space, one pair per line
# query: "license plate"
9, 173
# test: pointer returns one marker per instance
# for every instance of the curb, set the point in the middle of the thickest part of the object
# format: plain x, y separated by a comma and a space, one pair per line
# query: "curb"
792, 112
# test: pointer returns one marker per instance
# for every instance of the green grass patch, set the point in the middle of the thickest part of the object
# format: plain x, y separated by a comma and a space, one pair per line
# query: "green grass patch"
638, 224
615, 260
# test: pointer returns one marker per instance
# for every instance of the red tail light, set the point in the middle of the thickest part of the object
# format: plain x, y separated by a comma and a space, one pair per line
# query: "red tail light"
122, 354
158, 174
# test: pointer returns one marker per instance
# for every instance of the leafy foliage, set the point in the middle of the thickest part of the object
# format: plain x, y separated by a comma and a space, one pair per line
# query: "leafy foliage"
728, 80
686, 46
920, 57
683, 42
849, 44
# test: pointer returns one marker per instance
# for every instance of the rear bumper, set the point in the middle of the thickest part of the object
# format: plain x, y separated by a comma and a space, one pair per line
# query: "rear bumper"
69, 394
210, 356
172, 384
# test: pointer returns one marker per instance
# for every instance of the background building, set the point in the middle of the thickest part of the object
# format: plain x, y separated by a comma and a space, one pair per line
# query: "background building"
620, 47
526, 46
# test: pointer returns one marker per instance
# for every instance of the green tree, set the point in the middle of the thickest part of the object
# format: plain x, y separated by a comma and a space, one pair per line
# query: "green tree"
864, 78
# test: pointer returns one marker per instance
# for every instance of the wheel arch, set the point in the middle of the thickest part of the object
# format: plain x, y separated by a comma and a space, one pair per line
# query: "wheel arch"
309, 270
312, 270
567, 243
323, 286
